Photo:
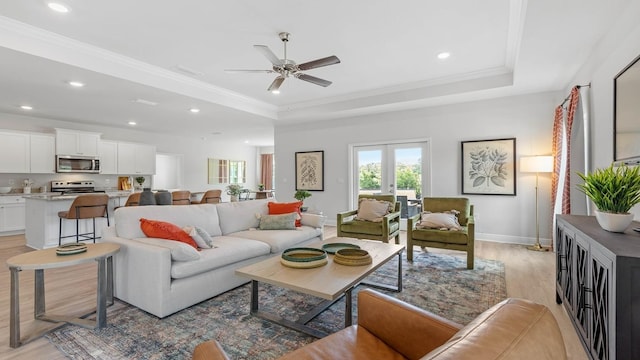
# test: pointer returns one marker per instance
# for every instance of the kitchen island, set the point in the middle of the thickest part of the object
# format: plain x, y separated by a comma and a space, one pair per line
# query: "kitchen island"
42, 222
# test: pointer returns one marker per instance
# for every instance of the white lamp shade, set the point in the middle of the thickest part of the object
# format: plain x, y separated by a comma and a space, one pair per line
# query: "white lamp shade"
536, 164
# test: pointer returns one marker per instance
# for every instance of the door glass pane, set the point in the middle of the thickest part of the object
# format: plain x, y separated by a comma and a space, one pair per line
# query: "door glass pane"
408, 173
369, 171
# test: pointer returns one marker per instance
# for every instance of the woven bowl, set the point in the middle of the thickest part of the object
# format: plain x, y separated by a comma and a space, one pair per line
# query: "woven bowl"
303, 258
352, 257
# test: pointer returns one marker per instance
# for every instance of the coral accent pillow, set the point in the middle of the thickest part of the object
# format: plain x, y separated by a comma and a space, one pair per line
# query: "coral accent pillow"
286, 208
165, 230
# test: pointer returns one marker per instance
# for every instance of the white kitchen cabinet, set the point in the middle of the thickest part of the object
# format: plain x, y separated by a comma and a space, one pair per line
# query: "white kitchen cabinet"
12, 214
14, 152
72, 142
108, 157
42, 154
136, 159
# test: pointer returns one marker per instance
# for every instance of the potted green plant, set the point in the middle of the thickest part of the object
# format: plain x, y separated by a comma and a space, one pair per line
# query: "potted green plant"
300, 195
140, 180
260, 187
234, 191
614, 191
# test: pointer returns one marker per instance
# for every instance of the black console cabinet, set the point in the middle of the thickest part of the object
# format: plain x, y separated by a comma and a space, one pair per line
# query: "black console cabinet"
598, 281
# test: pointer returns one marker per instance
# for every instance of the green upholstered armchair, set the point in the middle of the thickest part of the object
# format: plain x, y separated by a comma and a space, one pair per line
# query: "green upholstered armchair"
444, 239
348, 226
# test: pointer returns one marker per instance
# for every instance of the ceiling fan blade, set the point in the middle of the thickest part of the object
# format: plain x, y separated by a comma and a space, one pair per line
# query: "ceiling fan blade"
233, 71
329, 60
275, 85
313, 80
264, 50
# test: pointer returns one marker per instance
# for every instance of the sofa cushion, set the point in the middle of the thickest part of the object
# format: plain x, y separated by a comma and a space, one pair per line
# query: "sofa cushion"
435, 235
313, 220
179, 250
279, 240
228, 250
128, 225
447, 220
512, 329
373, 209
278, 222
276, 208
367, 227
200, 236
165, 230
240, 215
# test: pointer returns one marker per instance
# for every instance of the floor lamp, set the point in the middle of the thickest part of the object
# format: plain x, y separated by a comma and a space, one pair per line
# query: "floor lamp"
536, 164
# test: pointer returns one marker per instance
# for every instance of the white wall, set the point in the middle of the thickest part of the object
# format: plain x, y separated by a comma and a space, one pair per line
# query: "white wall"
194, 152
614, 52
501, 218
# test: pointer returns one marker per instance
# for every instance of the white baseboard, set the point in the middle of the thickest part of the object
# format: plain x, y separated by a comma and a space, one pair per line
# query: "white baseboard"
510, 239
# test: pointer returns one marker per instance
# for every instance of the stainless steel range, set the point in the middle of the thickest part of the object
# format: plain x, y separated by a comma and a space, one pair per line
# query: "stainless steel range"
74, 187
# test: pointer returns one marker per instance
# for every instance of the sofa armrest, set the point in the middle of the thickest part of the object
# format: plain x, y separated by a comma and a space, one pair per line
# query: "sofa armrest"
209, 350
409, 330
142, 273
343, 215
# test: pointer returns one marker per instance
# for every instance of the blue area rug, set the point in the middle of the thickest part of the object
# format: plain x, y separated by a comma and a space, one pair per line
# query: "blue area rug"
435, 282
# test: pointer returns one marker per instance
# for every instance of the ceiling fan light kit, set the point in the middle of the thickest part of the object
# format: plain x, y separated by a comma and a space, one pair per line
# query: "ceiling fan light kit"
286, 67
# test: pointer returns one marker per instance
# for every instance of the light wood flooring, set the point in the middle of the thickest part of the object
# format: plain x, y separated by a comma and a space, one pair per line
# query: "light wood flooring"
72, 291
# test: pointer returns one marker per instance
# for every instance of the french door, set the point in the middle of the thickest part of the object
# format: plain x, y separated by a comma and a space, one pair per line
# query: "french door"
400, 169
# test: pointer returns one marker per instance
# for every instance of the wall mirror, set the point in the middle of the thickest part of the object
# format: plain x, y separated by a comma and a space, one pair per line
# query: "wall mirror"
222, 171
626, 139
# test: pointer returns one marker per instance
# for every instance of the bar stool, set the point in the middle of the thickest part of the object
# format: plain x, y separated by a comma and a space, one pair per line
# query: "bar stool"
85, 207
211, 197
133, 199
181, 197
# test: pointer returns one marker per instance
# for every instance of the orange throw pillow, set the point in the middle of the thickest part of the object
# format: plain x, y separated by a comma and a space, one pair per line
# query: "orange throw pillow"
165, 230
286, 208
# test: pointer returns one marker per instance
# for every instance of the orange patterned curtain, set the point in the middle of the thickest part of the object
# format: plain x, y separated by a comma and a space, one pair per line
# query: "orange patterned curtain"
266, 170
556, 151
571, 112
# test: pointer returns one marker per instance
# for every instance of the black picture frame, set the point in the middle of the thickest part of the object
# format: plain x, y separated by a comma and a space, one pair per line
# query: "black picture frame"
489, 167
310, 170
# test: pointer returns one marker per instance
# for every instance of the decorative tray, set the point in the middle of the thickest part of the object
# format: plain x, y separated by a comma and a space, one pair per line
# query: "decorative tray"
303, 258
352, 257
70, 249
331, 248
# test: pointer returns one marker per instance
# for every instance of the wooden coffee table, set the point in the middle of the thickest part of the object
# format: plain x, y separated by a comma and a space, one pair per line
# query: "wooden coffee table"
40, 260
329, 282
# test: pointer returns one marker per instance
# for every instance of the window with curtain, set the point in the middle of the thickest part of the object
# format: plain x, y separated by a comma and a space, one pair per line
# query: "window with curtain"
266, 171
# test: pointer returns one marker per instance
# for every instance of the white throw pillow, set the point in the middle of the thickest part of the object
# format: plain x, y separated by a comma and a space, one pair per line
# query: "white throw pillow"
447, 220
200, 236
372, 209
313, 220
179, 250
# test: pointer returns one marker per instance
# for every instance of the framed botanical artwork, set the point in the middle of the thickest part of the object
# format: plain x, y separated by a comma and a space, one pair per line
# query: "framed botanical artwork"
310, 170
488, 167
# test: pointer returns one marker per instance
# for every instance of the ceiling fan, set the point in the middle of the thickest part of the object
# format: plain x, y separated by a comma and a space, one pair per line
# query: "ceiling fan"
287, 67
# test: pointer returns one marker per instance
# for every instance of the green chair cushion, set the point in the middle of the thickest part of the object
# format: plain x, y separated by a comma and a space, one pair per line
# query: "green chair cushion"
452, 237
367, 227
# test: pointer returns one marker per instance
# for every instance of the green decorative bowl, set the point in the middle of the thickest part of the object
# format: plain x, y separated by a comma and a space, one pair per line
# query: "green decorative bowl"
303, 258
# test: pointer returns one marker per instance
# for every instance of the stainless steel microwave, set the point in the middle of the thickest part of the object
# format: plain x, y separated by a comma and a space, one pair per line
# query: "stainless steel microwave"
77, 164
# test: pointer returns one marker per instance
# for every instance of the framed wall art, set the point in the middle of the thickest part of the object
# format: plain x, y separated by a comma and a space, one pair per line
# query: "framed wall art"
310, 170
488, 167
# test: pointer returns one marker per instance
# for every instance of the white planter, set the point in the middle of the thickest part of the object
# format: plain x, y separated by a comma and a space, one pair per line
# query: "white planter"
614, 222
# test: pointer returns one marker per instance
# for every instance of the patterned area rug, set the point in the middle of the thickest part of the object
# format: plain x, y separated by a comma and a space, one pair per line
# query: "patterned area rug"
435, 282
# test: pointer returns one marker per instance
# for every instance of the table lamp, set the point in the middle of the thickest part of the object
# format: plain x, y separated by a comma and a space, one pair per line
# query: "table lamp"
536, 164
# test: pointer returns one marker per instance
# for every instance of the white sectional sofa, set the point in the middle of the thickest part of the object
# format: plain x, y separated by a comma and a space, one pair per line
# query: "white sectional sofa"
148, 275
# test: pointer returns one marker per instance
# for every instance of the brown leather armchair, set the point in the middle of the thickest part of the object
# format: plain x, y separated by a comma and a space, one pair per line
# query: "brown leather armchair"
391, 329
389, 228
463, 240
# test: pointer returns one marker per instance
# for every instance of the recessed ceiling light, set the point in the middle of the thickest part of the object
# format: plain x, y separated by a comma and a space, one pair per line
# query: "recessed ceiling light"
146, 102
58, 7
246, 141
76, 83
275, 92
132, 123
194, 110
444, 55
26, 107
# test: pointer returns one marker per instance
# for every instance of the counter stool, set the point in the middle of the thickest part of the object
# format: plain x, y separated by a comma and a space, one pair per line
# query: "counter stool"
210, 197
181, 197
85, 207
